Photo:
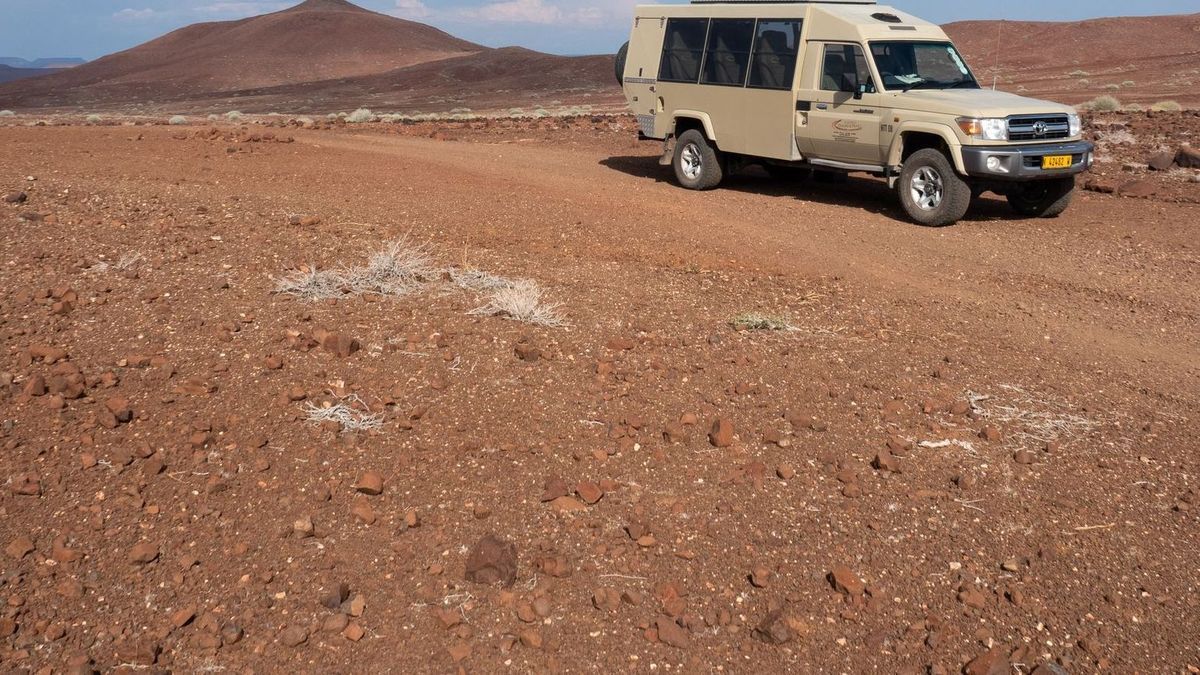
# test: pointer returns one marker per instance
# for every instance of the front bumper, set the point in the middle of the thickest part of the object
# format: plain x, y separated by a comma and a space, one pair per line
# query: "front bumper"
1024, 162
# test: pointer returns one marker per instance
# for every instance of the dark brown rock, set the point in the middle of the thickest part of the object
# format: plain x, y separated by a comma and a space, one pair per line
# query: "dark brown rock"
492, 560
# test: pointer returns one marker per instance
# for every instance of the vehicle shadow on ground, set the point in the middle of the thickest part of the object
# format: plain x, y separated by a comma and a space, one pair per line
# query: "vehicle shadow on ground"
857, 191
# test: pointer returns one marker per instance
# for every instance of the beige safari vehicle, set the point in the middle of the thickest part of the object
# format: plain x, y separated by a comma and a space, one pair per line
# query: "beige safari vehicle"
826, 88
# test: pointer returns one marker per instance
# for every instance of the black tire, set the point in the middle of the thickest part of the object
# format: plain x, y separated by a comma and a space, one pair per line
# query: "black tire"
1044, 198
931, 191
698, 164
619, 65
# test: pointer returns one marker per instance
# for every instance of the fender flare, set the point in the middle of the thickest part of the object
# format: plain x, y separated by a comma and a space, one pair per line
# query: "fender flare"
941, 130
701, 117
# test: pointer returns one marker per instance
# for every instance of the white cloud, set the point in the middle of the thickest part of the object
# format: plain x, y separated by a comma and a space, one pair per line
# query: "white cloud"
412, 9
130, 14
241, 9
530, 11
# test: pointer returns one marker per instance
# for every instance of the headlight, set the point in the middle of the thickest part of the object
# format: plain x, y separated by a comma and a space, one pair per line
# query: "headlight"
987, 129
1075, 123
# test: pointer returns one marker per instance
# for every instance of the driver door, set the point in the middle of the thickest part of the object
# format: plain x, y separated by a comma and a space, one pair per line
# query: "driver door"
843, 124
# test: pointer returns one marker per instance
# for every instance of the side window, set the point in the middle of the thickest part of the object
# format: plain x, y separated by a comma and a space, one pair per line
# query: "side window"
728, 53
775, 47
845, 68
683, 49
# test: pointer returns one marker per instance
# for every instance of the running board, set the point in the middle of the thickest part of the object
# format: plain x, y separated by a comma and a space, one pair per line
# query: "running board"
846, 166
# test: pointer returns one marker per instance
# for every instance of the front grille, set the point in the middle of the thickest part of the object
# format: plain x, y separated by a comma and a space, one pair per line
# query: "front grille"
1038, 127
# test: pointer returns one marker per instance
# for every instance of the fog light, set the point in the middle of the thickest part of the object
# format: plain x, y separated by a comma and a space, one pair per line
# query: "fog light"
993, 163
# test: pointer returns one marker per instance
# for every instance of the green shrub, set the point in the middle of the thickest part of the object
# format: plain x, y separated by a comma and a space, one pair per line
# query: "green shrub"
233, 116
178, 120
93, 119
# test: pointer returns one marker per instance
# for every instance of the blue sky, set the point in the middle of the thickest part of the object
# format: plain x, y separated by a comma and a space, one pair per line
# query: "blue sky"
92, 28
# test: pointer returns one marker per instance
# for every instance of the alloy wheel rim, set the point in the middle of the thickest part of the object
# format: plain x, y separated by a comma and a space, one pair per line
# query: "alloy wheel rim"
691, 161
926, 188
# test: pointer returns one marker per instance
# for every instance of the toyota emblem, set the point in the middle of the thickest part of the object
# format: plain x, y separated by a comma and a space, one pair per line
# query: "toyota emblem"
1039, 128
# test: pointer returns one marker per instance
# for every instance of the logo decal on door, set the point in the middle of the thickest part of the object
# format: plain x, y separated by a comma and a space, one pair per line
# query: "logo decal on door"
847, 125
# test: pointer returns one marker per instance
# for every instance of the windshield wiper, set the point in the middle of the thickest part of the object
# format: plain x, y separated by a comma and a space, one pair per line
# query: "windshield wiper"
973, 83
918, 85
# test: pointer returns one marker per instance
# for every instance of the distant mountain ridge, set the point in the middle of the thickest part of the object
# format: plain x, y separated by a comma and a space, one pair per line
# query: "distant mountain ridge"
52, 62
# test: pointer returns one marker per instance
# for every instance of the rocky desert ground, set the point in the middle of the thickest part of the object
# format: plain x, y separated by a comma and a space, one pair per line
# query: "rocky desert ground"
496, 396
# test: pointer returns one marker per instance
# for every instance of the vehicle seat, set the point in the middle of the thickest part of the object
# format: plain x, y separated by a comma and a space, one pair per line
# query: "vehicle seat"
683, 62
725, 68
772, 71
834, 76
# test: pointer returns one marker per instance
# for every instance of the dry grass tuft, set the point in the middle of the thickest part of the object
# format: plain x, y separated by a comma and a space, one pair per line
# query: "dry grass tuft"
399, 268
522, 301
755, 321
312, 284
1040, 420
350, 412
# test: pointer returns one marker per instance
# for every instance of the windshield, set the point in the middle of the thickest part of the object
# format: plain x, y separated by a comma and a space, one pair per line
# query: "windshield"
921, 65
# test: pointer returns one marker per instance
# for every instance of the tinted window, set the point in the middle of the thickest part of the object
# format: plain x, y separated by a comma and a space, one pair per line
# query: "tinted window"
728, 54
775, 47
845, 68
683, 48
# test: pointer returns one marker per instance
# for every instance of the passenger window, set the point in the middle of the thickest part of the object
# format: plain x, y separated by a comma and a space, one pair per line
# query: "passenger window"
728, 54
775, 47
683, 49
845, 69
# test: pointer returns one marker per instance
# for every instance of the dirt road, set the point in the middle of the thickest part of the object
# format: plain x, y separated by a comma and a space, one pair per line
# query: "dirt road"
969, 447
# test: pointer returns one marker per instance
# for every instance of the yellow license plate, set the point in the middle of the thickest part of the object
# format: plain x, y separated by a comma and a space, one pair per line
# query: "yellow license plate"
1056, 162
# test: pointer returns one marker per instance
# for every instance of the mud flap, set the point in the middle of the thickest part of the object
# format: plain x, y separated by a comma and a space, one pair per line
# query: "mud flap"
668, 155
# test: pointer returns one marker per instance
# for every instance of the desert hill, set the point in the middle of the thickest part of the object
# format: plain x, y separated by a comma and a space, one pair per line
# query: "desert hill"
1135, 59
313, 41
9, 73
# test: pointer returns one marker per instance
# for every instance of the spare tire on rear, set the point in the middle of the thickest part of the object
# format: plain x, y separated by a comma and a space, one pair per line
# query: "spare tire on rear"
619, 66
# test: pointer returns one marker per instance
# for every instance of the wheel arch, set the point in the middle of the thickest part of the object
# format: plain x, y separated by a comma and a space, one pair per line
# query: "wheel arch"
914, 136
684, 120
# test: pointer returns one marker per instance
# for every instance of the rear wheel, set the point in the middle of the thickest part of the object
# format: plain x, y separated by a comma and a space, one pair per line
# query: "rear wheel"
698, 165
1044, 198
931, 191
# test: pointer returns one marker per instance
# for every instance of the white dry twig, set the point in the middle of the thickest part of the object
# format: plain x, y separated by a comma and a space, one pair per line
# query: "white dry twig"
350, 412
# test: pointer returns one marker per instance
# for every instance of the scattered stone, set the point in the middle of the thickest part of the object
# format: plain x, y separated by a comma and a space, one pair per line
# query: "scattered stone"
671, 633
785, 471
361, 509
774, 628
554, 488
340, 345
369, 483
992, 662
231, 634
1023, 457
527, 352
845, 581
885, 461
532, 638
334, 596
606, 599
335, 623
1188, 157
589, 492
760, 577
182, 617
19, 547
567, 505
1137, 188
354, 632
990, 433
143, 553
972, 597
721, 433
492, 560
294, 636
15, 198
303, 527
1161, 161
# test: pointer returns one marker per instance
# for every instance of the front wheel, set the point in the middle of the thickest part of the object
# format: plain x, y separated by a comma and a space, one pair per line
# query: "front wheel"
1044, 198
698, 165
931, 191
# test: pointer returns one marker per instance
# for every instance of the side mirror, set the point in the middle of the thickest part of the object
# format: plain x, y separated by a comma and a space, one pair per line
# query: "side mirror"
864, 88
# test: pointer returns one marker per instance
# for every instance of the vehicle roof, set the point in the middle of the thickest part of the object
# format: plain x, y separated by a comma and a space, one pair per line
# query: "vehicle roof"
844, 20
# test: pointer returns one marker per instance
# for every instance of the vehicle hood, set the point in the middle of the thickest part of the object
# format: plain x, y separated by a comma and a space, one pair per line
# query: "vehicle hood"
975, 103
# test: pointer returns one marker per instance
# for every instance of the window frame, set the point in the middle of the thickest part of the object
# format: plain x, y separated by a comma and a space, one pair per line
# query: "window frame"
708, 50
703, 48
867, 61
795, 54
